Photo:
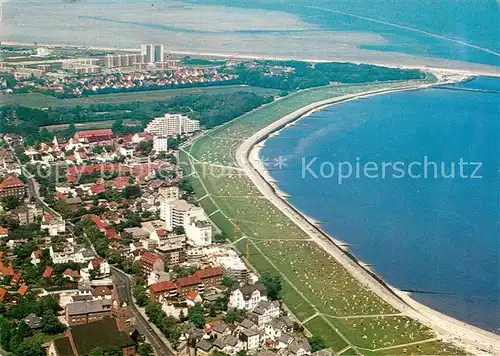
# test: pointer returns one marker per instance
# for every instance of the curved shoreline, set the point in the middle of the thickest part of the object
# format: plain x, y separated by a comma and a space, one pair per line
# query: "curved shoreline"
471, 338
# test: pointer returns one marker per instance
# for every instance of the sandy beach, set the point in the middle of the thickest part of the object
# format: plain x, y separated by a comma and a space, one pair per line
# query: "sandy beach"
471, 338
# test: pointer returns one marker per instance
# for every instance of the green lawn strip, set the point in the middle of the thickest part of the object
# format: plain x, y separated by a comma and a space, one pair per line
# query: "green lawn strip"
208, 205
294, 301
381, 332
247, 214
42, 338
318, 326
225, 225
425, 349
38, 100
226, 181
323, 280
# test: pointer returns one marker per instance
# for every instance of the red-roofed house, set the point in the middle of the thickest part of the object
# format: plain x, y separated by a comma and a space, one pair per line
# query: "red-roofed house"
111, 233
4, 232
101, 225
12, 186
210, 276
22, 290
166, 289
72, 275
93, 135
151, 262
97, 189
16, 278
193, 298
188, 284
6, 270
3, 294
48, 272
121, 182
101, 266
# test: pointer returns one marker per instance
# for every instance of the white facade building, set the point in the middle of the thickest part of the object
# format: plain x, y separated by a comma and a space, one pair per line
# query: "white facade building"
199, 233
247, 297
160, 144
172, 124
177, 213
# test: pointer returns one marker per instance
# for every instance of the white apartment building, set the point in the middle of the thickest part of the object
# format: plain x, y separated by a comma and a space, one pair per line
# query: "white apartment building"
172, 124
178, 213
247, 297
153, 52
198, 232
160, 144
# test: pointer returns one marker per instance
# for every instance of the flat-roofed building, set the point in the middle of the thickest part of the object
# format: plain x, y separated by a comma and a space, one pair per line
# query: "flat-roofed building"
172, 124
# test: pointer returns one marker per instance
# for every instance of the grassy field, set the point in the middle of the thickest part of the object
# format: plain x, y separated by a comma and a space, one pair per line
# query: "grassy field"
317, 289
37, 100
104, 124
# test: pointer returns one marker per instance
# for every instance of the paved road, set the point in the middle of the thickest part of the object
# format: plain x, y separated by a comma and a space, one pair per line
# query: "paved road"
142, 325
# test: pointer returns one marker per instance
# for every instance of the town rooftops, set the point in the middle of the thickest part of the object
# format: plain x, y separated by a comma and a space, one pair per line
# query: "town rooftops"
88, 307
149, 258
48, 272
6, 270
94, 133
11, 182
4, 231
71, 273
3, 293
249, 289
204, 345
22, 290
180, 205
162, 286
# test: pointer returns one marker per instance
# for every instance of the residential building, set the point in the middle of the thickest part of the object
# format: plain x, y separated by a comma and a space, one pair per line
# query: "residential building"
153, 52
135, 233
87, 311
177, 213
160, 144
90, 136
24, 215
4, 232
250, 338
264, 312
12, 187
198, 232
247, 297
163, 290
171, 125
173, 254
151, 262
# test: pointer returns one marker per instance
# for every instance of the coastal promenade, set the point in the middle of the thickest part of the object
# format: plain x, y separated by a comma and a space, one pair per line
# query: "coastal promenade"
473, 339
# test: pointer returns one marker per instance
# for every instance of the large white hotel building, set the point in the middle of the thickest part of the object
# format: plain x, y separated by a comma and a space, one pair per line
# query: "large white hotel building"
172, 124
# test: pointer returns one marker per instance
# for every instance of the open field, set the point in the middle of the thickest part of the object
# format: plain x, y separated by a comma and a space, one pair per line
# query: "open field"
316, 288
37, 100
104, 124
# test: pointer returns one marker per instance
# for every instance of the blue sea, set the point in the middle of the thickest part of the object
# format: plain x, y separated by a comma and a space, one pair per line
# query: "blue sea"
435, 231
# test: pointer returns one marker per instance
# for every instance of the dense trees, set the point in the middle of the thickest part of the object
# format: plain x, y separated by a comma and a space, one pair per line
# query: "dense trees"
167, 324
273, 285
196, 315
294, 75
210, 109
317, 343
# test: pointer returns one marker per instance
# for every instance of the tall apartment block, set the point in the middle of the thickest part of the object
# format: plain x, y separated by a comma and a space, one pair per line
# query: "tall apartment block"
153, 52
